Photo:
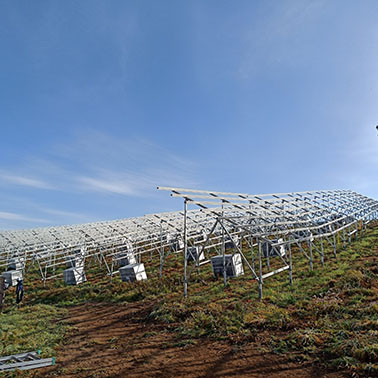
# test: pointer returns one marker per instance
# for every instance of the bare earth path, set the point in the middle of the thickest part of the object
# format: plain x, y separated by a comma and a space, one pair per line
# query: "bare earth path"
115, 341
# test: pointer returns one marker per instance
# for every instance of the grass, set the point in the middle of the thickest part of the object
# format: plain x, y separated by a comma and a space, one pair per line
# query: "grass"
31, 328
328, 315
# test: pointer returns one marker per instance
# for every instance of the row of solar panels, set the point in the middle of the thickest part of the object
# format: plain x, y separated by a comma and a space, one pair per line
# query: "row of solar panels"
303, 215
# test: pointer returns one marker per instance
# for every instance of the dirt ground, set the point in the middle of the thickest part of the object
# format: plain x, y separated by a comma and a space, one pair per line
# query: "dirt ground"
116, 341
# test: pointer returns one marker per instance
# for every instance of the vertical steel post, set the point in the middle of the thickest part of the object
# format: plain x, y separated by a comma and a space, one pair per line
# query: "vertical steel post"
252, 255
223, 252
344, 237
290, 266
311, 257
260, 274
349, 236
161, 251
111, 273
334, 246
185, 249
356, 230
322, 251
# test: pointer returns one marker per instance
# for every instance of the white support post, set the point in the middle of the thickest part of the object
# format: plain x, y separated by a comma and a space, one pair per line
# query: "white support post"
185, 249
260, 273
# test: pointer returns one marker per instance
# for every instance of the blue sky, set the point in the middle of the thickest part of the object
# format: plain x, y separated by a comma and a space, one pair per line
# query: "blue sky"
101, 101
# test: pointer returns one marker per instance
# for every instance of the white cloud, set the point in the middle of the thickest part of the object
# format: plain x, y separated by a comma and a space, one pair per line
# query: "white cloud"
65, 214
103, 185
131, 167
19, 217
25, 181
91, 163
131, 183
98, 162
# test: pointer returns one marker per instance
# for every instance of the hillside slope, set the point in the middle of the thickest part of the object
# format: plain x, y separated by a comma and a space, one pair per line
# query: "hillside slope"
327, 319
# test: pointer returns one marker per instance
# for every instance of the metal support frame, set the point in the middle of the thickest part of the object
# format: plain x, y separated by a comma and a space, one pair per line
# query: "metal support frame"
25, 361
301, 219
321, 215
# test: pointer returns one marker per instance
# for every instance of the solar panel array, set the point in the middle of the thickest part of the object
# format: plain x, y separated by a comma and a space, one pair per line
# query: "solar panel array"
278, 221
51, 247
248, 221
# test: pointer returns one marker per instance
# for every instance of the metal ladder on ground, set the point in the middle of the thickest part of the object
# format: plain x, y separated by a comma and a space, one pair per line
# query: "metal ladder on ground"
25, 361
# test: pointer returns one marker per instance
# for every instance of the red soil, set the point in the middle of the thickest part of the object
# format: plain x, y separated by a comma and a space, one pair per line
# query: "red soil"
116, 341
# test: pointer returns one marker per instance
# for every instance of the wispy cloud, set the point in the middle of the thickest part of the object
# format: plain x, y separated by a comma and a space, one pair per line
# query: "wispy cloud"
131, 167
19, 217
98, 162
92, 163
66, 214
128, 183
24, 181
103, 185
